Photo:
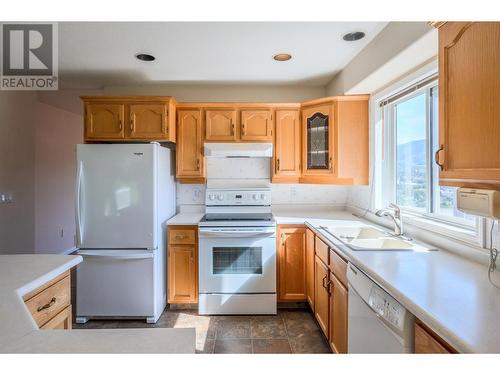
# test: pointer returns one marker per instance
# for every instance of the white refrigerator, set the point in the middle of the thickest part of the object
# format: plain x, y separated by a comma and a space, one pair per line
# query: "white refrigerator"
125, 193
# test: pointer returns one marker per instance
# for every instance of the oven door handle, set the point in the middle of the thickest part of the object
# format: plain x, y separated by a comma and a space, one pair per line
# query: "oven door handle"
236, 233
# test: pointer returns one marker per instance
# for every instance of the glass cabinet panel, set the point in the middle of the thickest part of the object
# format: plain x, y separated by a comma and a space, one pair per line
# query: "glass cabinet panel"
317, 142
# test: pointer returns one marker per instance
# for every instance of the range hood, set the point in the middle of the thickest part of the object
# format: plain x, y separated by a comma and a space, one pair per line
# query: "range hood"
239, 150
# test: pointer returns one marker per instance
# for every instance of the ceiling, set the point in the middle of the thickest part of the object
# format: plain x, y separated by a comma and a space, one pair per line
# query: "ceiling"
94, 54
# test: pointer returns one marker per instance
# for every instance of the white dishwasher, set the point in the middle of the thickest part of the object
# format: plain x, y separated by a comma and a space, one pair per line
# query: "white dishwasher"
377, 322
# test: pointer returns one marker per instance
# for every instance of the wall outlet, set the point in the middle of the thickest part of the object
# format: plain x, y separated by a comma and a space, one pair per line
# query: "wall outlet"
7, 197
196, 194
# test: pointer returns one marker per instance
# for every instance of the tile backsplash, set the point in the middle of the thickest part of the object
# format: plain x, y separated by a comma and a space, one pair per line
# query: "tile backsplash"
194, 194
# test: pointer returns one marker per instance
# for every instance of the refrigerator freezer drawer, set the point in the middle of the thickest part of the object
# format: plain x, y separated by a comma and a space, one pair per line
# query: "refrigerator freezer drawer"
115, 283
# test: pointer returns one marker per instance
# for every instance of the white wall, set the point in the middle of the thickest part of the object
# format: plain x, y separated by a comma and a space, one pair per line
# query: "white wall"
398, 48
17, 163
57, 131
230, 93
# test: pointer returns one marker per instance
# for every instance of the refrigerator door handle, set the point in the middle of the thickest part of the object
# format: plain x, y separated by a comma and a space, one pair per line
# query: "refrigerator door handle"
110, 255
77, 203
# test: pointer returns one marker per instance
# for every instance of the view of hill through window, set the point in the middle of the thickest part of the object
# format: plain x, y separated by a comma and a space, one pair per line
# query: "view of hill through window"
417, 187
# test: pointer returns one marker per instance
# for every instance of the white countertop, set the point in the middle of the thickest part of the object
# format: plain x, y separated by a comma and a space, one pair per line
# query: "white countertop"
20, 274
188, 218
450, 294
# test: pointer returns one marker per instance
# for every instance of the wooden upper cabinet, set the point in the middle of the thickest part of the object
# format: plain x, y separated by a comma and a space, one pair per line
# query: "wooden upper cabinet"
129, 118
310, 238
469, 109
256, 125
148, 121
292, 263
352, 140
190, 161
104, 121
318, 145
338, 315
220, 125
287, 146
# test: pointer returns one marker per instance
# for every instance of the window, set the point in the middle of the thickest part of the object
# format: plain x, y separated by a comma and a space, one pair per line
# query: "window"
412, 177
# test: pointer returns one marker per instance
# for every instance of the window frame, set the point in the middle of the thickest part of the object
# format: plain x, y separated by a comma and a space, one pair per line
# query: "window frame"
428, 219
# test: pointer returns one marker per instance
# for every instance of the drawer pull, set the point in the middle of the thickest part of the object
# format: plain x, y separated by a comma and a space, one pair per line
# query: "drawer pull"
47, 305
180, 237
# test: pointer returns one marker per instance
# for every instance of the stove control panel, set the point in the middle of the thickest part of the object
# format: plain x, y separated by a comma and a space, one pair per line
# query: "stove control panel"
238, 197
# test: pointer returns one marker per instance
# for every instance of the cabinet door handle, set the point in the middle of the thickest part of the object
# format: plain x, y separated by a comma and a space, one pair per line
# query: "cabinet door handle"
243, 129
232, 128
436, 157
277, 165
282, 239
120, 125
197, 164
132, 125
323, 281
47, 305
328, 288
330, 165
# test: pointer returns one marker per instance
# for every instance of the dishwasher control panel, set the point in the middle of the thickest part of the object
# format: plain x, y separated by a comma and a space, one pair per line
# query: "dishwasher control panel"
387, 307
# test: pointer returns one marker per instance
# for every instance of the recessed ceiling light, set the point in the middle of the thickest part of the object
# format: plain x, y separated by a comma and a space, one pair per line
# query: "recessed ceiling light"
282, 57
352, 37
144, 57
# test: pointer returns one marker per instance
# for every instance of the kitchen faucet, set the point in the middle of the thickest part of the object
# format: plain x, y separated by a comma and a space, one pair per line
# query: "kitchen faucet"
396, 217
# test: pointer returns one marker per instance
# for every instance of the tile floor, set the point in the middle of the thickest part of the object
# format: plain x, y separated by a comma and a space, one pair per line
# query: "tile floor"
290, 331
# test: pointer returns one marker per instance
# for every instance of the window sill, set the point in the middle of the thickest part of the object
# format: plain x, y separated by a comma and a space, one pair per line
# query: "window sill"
468, 236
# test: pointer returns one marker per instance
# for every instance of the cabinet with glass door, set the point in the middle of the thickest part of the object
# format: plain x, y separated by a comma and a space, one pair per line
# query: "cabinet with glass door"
318, 163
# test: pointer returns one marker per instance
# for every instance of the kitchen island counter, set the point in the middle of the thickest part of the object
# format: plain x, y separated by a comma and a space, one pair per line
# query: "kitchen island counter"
21, 274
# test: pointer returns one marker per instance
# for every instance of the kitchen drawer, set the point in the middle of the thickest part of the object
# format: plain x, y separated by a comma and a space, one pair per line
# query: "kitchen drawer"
321, 250
338, 266
63, 320
182, 236
50, 301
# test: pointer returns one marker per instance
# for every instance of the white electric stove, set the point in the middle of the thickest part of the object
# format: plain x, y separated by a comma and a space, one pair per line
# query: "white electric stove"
237, 253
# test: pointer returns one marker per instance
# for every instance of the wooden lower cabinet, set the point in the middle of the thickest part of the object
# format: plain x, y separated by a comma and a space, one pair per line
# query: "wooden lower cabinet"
428, 342
60, 321
310, 238
330, 295
50, 304
292, 263
321, 296
182, 264
338, 315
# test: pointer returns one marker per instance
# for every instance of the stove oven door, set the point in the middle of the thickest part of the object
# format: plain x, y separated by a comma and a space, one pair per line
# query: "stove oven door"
237, 260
